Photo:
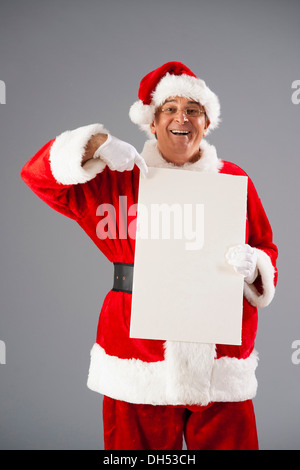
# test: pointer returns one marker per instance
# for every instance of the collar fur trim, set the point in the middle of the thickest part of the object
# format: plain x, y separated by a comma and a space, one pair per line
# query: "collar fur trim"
209, 162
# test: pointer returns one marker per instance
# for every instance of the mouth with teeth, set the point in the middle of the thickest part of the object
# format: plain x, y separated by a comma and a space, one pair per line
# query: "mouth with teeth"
175, 132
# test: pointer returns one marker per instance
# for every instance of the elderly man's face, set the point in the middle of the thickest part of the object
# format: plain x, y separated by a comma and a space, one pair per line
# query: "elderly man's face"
179, 129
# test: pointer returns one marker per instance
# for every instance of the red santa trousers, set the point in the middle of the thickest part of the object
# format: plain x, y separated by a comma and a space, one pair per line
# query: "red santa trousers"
218, 426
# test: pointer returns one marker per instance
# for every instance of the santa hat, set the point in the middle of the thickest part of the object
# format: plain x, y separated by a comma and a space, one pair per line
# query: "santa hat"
172, 79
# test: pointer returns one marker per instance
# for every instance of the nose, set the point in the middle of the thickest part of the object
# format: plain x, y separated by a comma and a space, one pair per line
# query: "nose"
181, 117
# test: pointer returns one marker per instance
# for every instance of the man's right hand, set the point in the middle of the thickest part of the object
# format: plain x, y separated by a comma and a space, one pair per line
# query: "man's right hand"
120, 155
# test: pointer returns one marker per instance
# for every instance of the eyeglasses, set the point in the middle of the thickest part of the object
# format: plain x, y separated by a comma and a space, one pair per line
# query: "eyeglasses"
189, 111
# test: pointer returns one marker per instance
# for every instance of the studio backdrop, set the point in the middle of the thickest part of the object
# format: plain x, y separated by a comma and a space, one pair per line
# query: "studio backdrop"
65, 64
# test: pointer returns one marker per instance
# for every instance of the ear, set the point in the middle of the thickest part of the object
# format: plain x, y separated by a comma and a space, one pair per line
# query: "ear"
152, 127
207, 123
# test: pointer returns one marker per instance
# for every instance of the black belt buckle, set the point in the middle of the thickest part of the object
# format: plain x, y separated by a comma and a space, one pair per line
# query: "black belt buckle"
123, 277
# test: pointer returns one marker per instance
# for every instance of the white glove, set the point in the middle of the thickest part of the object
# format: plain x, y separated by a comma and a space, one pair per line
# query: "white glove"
243, 258
120, 156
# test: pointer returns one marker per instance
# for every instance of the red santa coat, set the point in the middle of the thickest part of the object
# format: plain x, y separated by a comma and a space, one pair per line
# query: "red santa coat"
152, 371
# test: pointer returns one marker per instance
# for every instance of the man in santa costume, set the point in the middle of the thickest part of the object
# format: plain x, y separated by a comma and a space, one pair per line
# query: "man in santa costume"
156, 392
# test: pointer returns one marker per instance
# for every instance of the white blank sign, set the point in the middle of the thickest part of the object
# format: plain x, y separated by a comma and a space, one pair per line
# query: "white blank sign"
183, 287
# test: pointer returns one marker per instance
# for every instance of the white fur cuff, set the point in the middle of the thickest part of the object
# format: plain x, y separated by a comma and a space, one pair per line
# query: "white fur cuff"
66, 156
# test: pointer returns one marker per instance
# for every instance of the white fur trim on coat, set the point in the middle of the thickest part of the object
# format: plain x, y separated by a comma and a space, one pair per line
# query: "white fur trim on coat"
66, 155
208, 163
189, 375
267, 272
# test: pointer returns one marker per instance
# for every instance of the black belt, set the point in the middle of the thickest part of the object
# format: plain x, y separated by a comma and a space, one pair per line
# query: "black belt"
123, 276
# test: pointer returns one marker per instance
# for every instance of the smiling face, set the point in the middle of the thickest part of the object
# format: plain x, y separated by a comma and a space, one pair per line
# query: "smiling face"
179, 129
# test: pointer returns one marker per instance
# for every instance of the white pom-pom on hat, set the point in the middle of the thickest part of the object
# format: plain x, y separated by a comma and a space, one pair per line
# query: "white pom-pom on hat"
141, 113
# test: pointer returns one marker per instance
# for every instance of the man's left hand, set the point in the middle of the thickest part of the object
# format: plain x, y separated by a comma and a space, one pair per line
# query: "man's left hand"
244, 259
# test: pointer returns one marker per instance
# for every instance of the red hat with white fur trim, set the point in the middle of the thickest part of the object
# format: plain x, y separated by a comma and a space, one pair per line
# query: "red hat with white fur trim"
172, 79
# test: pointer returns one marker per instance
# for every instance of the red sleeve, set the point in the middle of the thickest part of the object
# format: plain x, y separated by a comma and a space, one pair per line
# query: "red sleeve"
260, 237
260, 231
56, 176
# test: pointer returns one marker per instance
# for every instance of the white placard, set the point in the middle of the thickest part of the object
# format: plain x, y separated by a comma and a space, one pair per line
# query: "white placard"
183, 287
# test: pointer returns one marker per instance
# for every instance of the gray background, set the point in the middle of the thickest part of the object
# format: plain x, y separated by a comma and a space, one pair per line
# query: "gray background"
69, 63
